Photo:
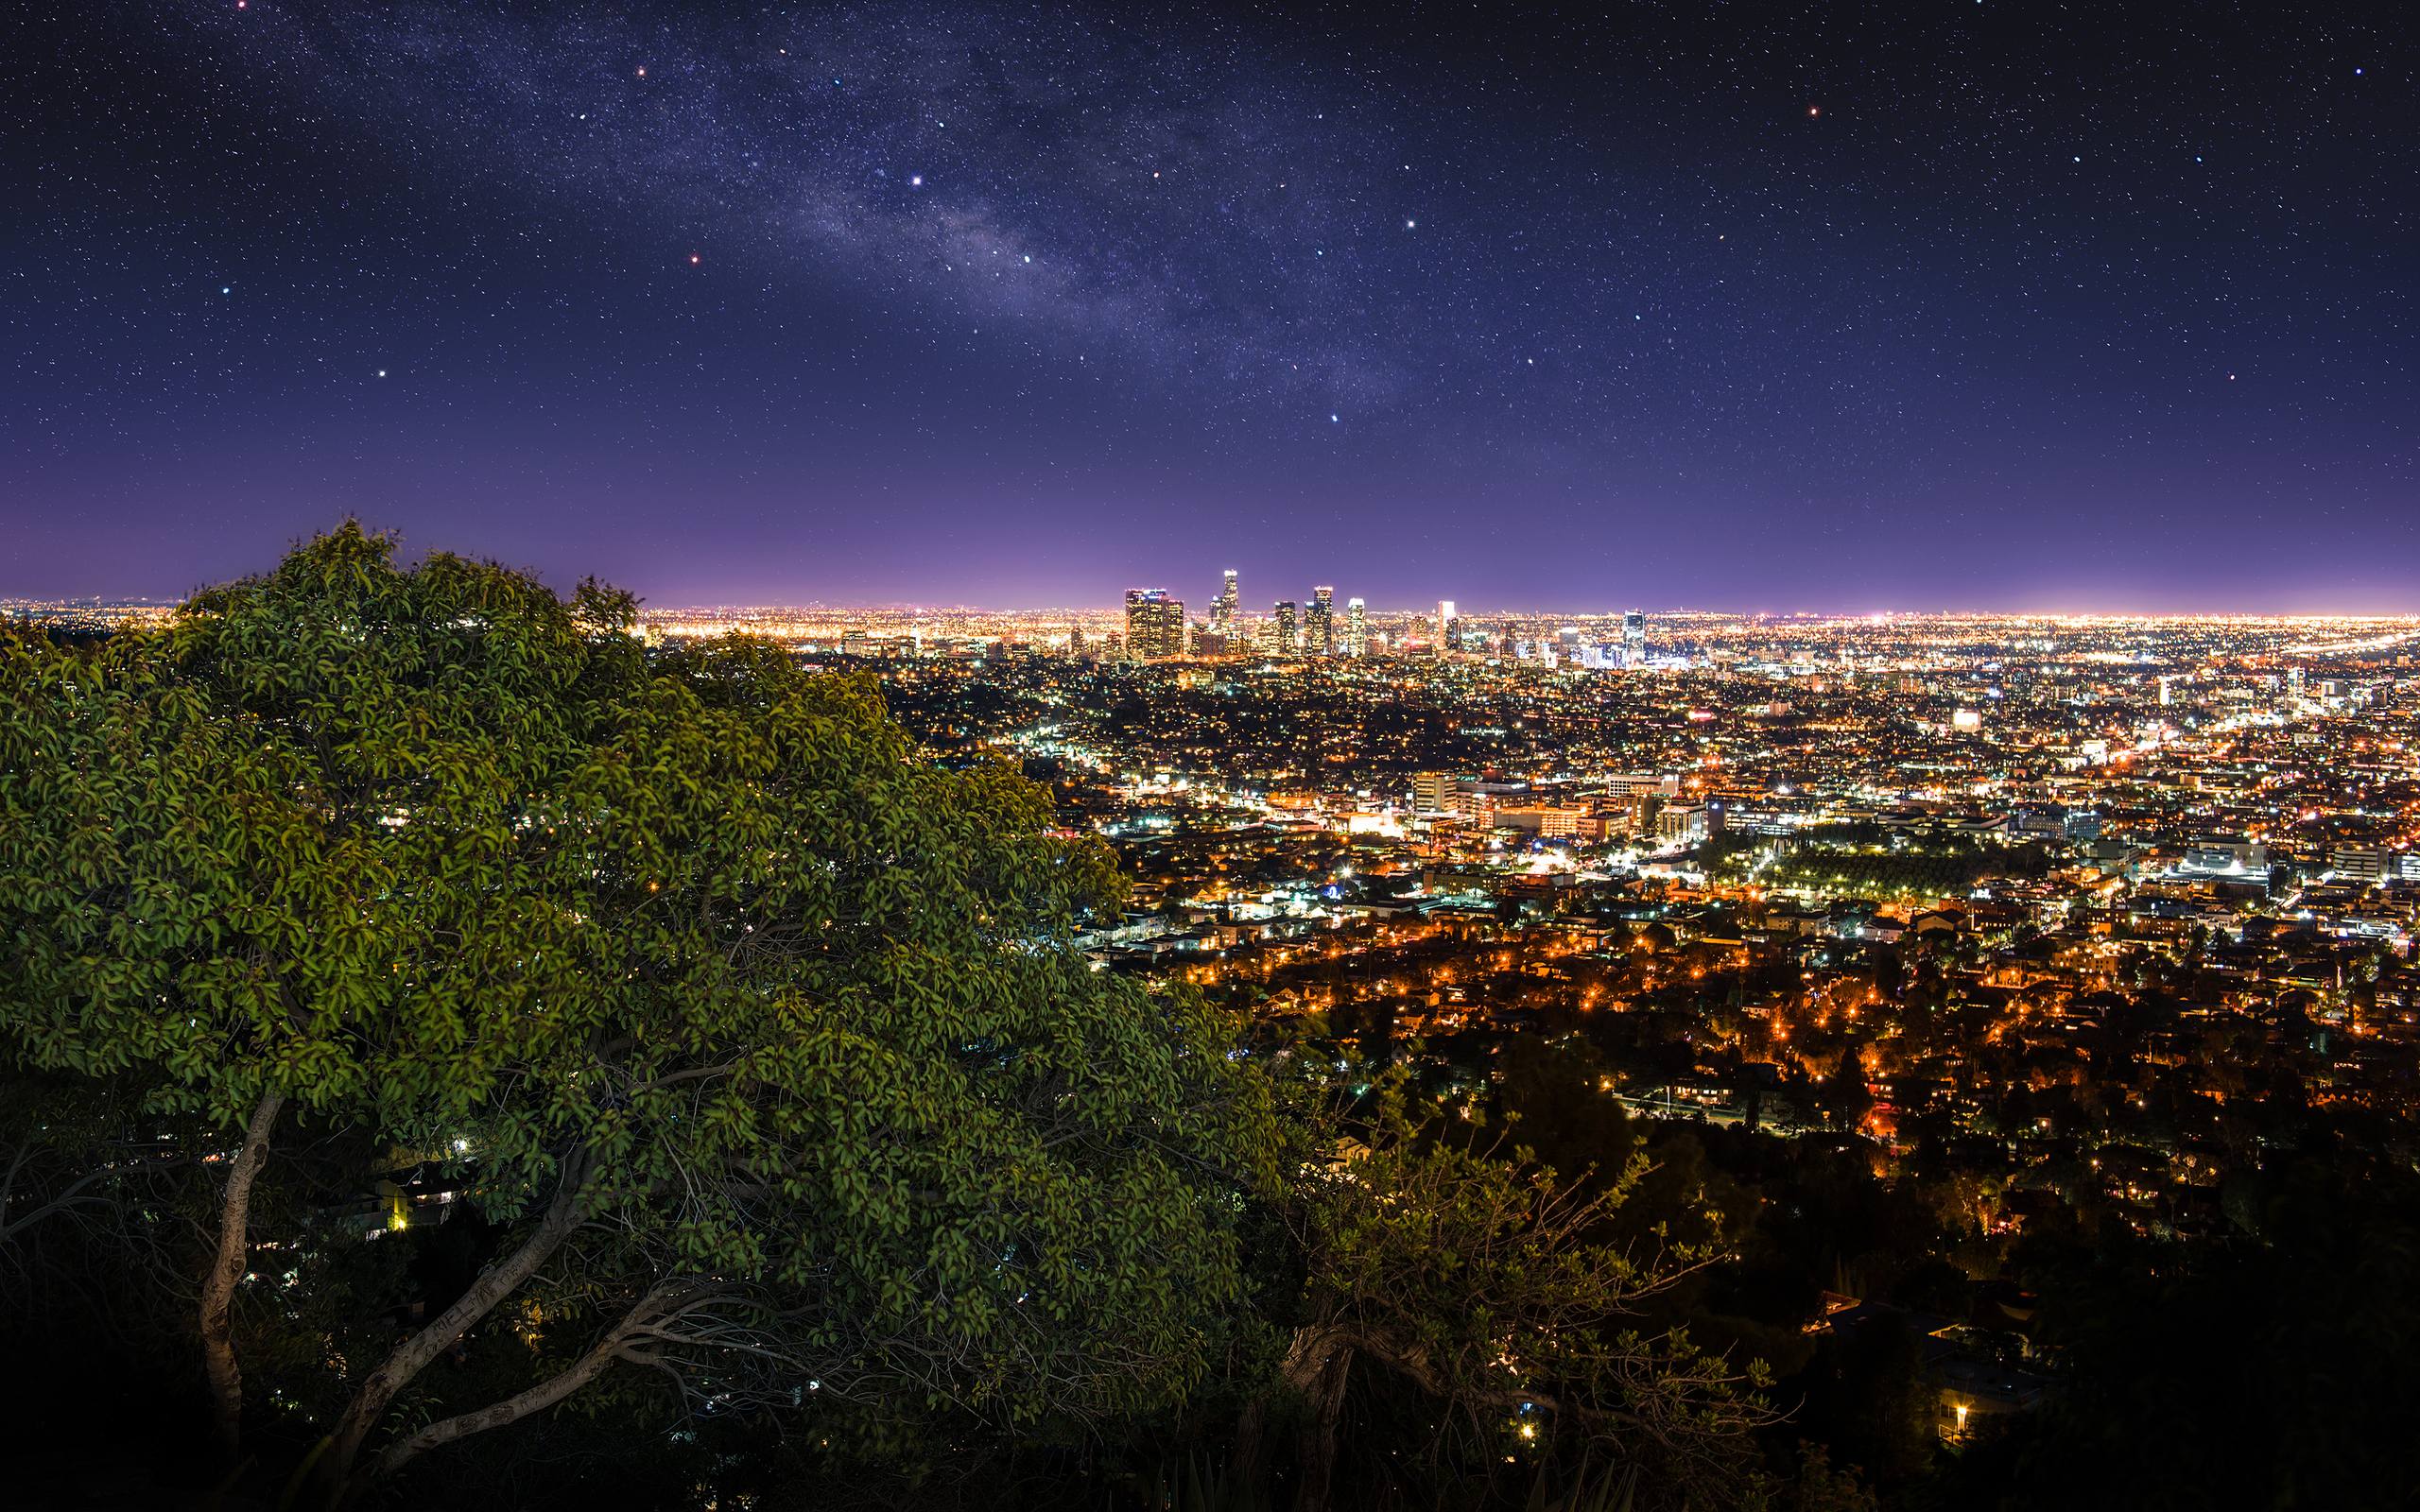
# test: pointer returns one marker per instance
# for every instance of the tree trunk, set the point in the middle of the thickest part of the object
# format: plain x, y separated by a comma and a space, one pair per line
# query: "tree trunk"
415, 1354
226, 1271
1317, 1451
1317, 1359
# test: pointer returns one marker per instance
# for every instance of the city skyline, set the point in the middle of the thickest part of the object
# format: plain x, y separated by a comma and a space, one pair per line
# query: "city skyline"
1106, 604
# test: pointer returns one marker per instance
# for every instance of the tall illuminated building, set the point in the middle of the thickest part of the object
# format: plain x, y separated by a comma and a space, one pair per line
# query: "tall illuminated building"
1319, 627
1445, 617
1635, 639
1154, 625
1357, 628
1222, 611
1286, 628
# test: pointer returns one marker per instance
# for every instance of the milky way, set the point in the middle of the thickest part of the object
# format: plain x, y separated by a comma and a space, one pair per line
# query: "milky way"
1827, 307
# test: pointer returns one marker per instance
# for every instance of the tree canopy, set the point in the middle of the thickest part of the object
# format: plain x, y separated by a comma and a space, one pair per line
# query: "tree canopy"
767, 1041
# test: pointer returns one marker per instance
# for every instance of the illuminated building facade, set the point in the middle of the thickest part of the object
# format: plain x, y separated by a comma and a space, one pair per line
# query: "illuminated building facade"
1154, 625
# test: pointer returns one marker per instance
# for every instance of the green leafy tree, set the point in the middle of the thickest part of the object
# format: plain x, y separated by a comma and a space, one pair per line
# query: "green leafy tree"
848, 1115
263, 860
767, 1041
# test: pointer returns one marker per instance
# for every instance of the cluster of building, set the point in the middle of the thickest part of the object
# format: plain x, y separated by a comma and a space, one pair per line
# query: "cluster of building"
2070, 921
85, 616
1156, 629
2253, 780
1152, 626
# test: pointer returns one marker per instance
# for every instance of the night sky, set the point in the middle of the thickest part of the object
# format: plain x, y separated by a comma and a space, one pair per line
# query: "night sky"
1824, 306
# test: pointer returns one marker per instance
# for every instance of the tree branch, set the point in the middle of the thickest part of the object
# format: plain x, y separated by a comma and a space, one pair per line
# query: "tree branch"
536, 1399
494, 1284
226, 1269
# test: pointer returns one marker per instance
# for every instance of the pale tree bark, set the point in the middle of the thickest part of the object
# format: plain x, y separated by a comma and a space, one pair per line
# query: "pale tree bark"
416, 1353
226, 1271
616, 1345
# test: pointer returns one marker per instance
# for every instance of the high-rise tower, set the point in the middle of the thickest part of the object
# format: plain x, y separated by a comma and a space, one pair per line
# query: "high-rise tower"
1222, 611
1154, 625
1319, 629
1286, 628
1357, 629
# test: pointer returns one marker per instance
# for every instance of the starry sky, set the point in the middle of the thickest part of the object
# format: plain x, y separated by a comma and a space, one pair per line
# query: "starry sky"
1820, 306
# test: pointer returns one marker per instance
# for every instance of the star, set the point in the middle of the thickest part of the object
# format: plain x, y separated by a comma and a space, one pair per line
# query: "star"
1200, 284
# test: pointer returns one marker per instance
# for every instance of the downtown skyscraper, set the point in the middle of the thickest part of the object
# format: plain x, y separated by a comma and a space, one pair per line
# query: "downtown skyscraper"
1154, 625
1222, 608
